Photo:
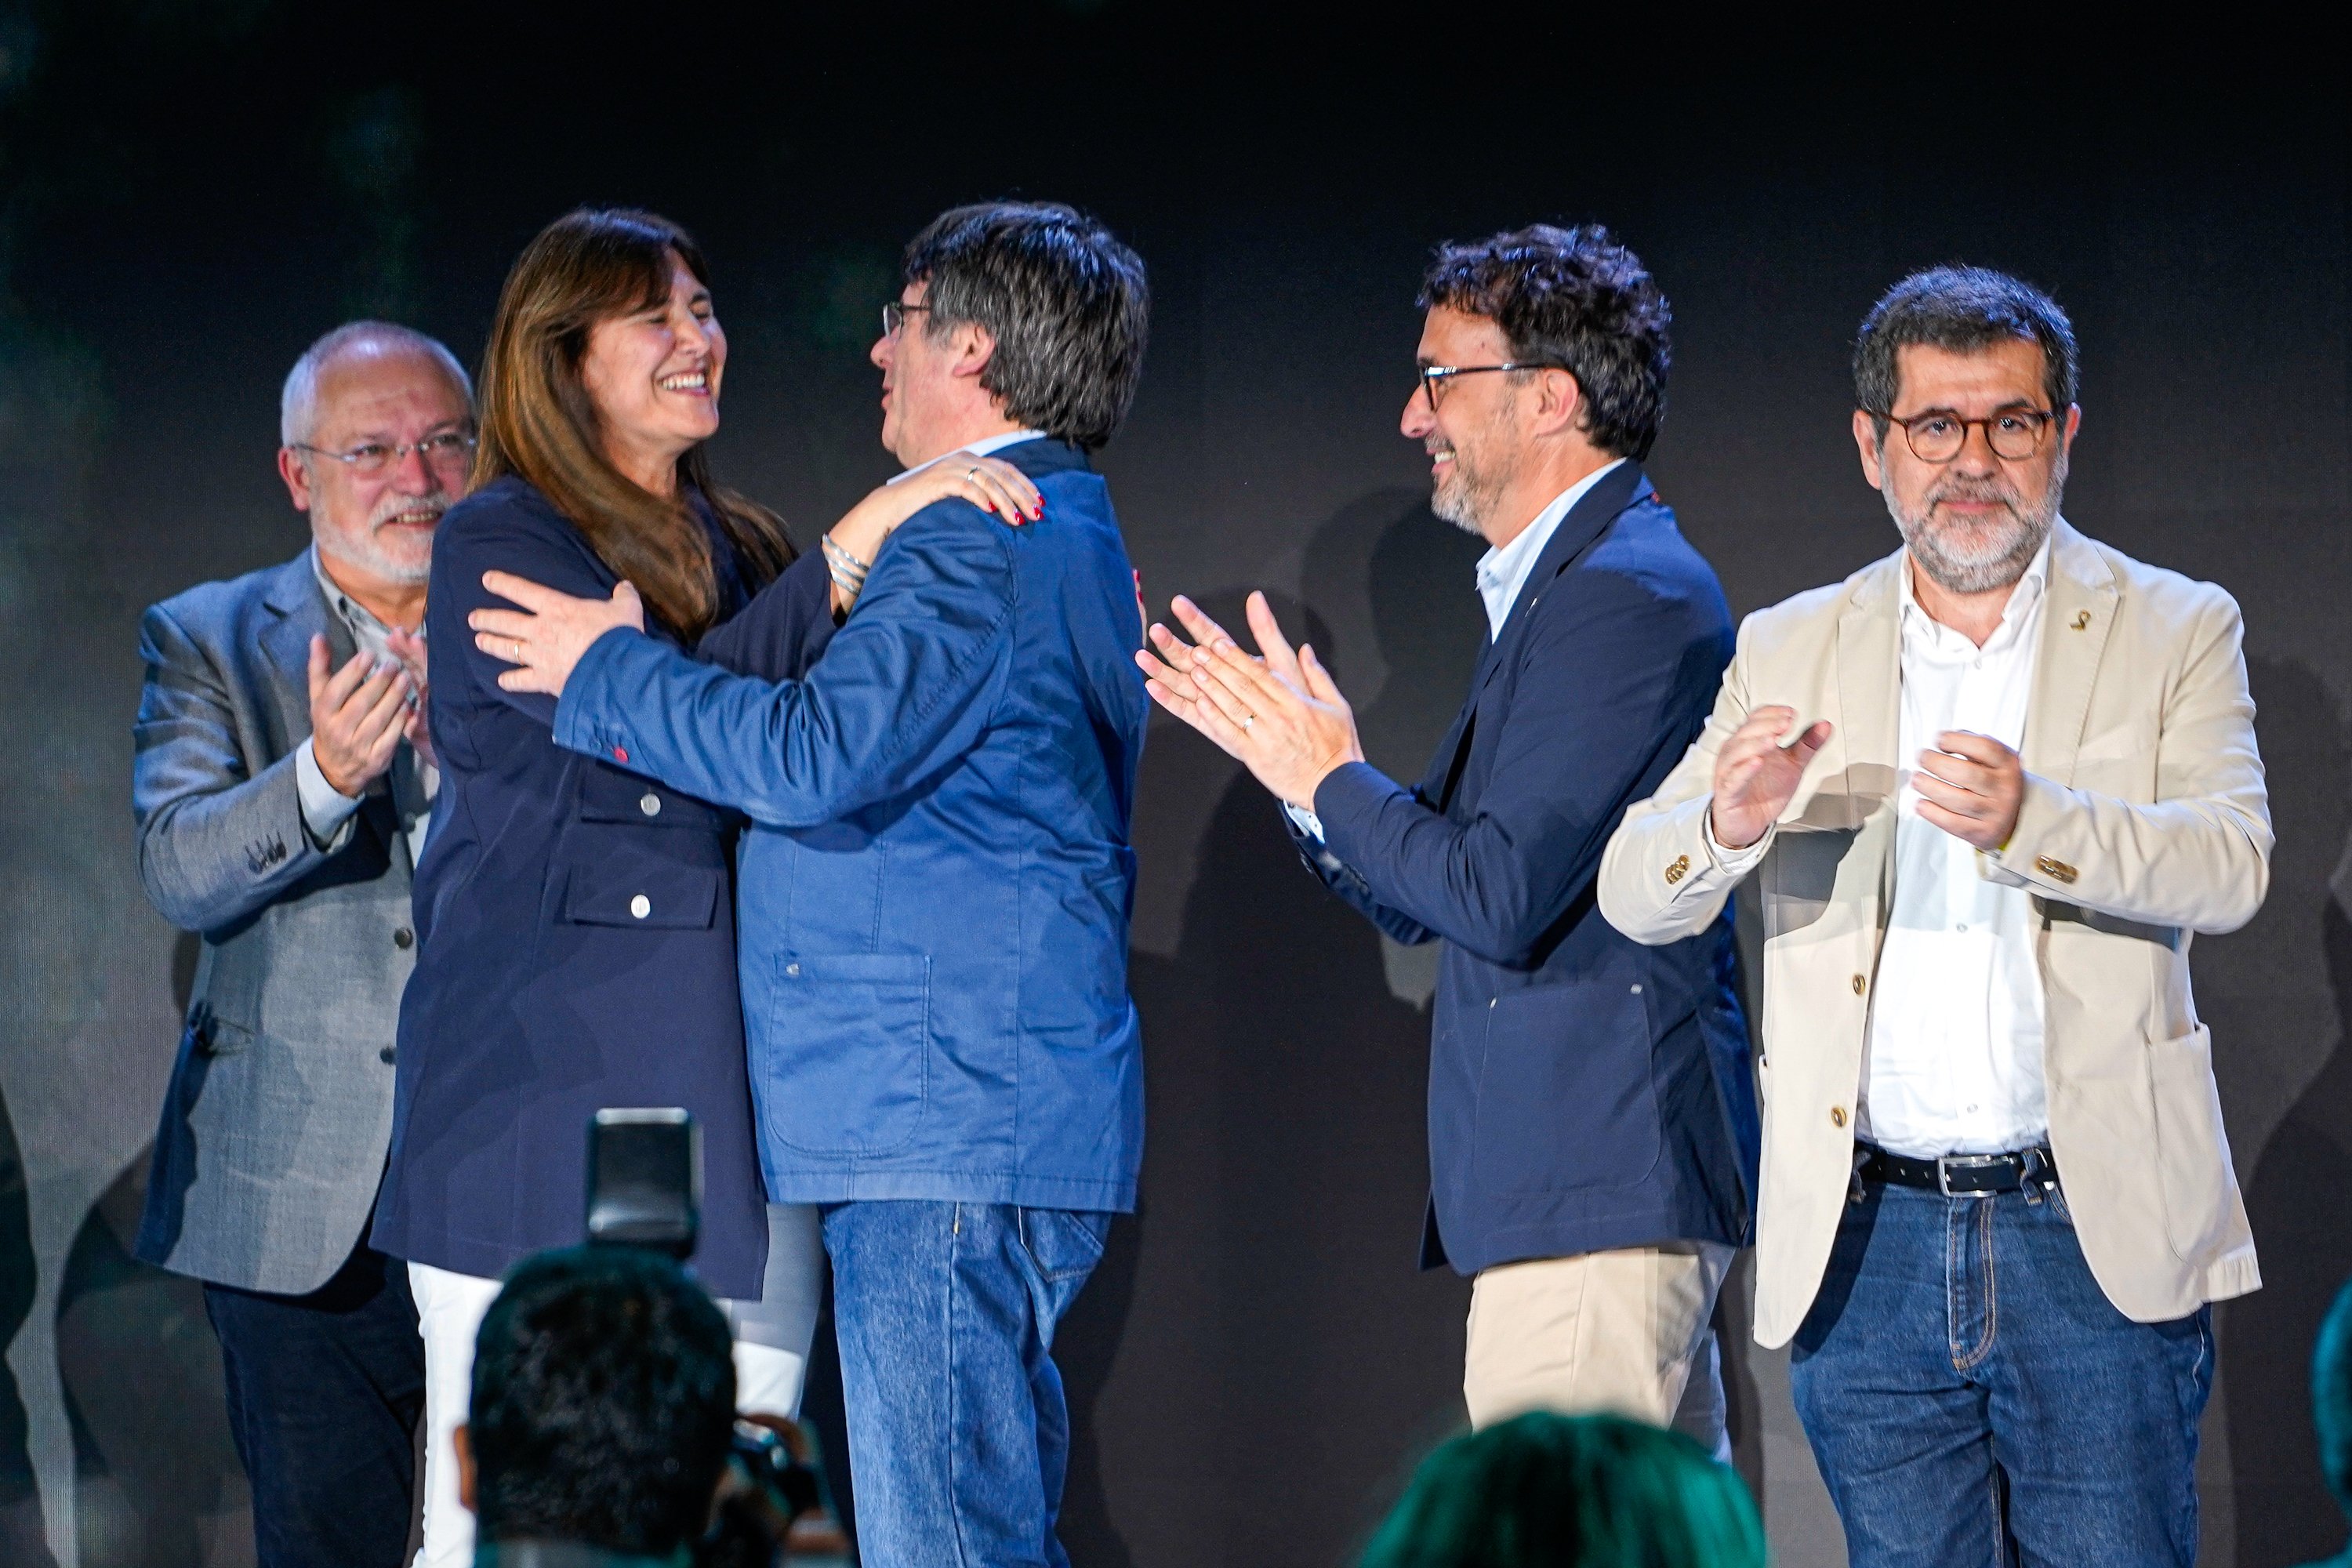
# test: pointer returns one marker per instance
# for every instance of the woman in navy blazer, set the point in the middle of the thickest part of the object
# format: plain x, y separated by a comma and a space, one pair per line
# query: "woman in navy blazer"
576, 922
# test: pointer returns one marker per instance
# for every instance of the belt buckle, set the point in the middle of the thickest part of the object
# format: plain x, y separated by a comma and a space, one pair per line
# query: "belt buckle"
1945, 1162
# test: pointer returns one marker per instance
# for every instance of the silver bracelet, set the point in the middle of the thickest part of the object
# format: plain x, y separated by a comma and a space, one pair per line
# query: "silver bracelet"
841, 559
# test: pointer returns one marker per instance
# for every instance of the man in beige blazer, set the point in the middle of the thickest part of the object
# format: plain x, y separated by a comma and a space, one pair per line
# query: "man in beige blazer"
1993, 783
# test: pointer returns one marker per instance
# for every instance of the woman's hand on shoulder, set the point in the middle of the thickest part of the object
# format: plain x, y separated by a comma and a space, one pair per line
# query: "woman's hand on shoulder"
992, 484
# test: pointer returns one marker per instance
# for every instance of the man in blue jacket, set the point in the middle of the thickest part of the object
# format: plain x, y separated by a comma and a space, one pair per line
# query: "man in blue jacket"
1593, 1122
935, 892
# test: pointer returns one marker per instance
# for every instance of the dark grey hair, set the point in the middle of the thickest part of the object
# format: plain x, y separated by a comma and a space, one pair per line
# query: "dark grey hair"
1576, 299
1065, 302
1964, 310
298, 403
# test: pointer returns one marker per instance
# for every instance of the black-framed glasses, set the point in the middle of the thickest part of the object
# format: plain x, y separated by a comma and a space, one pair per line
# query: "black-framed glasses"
1432, 377
447, 449
895, 314
1938, 436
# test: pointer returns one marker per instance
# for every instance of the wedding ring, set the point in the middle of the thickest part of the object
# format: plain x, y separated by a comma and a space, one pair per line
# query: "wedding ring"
1248, 720
968, 473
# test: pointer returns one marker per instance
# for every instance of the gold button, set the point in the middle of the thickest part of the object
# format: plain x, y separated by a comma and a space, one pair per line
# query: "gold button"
1837, 1115
2056, 870
1678, 870
1860, 985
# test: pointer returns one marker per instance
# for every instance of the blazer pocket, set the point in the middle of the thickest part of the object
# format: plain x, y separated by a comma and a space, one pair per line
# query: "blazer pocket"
2192, 1150
1565, 1095
609, 795
644, 890
847, 1070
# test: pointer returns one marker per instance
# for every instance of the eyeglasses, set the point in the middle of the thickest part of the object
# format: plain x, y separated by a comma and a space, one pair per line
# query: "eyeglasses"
447, 449
1938, 436
1432, 377
894, 316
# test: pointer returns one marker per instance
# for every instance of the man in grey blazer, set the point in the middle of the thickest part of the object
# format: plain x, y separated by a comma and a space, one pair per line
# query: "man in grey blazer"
282, 788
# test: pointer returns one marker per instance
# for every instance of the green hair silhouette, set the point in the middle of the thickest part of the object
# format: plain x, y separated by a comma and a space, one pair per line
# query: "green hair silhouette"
2331, 1397
1562, 1491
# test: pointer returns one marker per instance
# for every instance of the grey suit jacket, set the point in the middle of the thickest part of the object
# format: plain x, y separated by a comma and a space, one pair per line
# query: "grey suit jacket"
273, 1134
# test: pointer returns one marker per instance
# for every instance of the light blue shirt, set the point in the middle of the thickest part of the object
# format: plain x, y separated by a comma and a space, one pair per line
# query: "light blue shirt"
1502, 572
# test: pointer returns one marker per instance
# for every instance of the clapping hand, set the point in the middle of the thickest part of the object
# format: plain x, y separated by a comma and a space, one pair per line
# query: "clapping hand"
1278, 713
358, 716
1756, 775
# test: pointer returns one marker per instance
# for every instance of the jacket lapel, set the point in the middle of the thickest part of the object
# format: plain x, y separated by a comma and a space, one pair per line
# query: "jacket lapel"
2076, 616
294, 597
1867, 724
300, 605
1577, 533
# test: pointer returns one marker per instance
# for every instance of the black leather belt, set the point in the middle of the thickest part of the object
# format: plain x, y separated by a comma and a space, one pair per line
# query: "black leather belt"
1959, 1176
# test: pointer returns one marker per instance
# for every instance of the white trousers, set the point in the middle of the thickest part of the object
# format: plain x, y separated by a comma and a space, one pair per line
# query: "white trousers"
772, 1345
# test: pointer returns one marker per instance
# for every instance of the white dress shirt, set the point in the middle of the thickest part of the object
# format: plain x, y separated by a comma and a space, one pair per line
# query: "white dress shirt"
1952, 1058
327, 812
986, 447
1952, 1053
1502, 572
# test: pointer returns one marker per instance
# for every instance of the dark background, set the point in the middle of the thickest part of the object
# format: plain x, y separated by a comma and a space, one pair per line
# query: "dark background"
190, 192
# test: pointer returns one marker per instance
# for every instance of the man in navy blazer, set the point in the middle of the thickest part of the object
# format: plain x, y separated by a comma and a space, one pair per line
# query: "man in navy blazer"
1592, 1123
935, 890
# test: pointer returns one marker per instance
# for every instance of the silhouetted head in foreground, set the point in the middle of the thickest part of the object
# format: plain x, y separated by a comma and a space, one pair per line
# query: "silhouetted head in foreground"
1559, 1491
604, 1403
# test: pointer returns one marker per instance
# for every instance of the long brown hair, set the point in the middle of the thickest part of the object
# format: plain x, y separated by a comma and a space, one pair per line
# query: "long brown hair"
537, 423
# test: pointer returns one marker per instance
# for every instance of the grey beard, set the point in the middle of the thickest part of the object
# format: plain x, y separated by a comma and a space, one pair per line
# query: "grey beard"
1470, 498
365, 553
1998, 563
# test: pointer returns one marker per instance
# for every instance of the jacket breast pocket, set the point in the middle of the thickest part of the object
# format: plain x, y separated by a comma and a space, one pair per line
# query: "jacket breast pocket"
607, 795
848, 1067
1565, 1095
630, 887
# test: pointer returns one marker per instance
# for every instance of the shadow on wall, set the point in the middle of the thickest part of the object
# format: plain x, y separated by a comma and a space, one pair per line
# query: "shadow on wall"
2297, 1178
156, 1478
157, 1483
1280, 1361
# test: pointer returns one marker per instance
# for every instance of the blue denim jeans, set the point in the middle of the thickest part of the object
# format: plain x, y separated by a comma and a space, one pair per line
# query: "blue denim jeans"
959, 1436
1975, 1401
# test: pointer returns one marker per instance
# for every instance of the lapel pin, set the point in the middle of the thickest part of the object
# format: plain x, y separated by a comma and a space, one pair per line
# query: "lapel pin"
2082, 619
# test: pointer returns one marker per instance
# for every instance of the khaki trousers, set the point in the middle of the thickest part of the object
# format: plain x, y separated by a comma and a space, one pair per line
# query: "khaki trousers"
1626, 1331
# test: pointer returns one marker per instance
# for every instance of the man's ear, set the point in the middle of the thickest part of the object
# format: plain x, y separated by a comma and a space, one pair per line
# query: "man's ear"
462, 1439
1865, 441
975, 345
297, 475
1559, 402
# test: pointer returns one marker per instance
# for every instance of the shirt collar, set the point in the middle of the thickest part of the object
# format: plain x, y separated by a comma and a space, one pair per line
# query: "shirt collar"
358, 617
2022, 600
1502, 572
986, 447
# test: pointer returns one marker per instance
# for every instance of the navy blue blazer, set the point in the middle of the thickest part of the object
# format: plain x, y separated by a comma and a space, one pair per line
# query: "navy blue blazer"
1585, 1092
575, 929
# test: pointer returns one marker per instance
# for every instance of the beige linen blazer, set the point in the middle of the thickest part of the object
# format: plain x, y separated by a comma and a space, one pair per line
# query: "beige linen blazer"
2144, 819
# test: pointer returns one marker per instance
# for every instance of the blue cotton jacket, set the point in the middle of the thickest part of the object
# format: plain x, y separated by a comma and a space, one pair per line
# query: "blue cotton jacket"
935, 892
1585, 1092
